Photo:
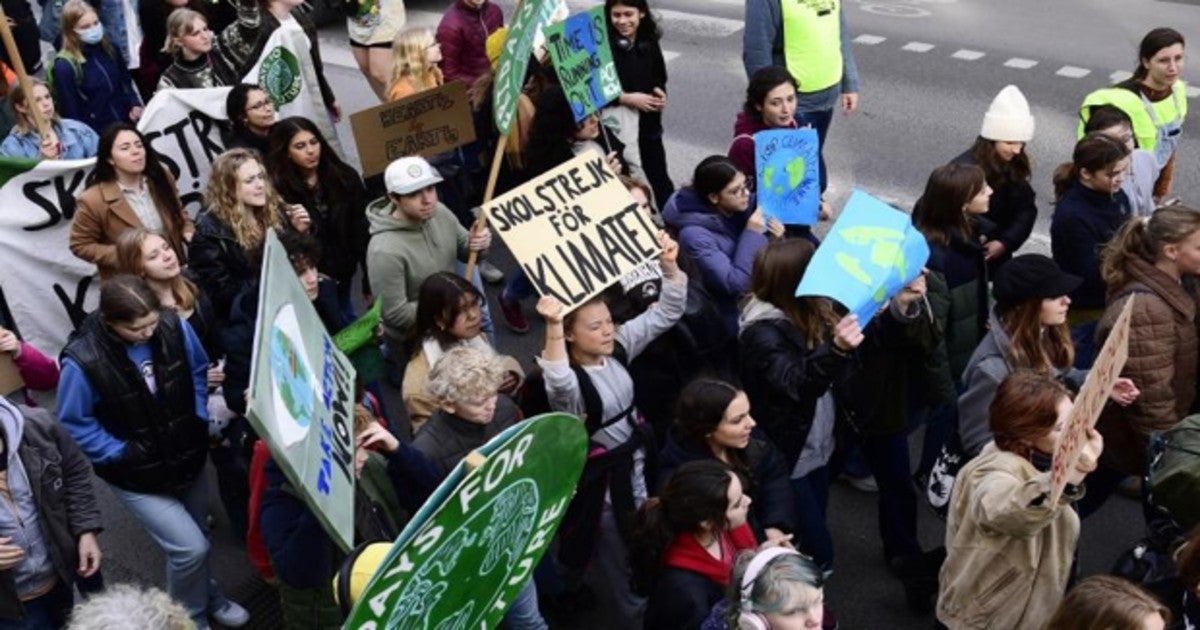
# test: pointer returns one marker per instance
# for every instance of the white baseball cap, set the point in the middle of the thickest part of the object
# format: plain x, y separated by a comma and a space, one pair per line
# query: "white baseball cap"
408, 175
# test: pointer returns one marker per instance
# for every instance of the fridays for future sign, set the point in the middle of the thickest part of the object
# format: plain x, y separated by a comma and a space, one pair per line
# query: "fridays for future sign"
574, 230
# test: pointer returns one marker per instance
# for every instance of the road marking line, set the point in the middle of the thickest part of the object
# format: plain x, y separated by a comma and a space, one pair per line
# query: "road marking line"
968, 55
1120, 75
1193, 92
869, 40
1073, 72
1019, 63
703, 25
920, 47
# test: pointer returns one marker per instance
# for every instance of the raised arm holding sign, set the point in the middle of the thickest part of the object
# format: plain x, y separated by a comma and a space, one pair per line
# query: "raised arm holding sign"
583, 61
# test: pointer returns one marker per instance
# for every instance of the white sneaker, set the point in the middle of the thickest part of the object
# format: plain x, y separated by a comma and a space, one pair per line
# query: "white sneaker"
230, 614
490, 273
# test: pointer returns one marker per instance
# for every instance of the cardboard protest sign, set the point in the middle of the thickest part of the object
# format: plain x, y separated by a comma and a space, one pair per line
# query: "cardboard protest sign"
1091, 400
574, 230
789, 174
514, 58
426, 123
286, 73
473, 546
47, 289
302, 397
10, 377
871, 253
583, 61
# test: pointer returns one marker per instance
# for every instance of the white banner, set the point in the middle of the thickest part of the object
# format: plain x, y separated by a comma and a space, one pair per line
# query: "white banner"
47, 289
285, 71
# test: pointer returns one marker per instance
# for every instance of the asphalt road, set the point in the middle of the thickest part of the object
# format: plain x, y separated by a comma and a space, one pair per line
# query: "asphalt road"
928, 70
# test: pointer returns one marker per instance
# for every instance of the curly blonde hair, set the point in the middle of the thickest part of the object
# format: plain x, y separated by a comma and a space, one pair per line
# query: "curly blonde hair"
131, 607
408, 58
466, 374
249, 225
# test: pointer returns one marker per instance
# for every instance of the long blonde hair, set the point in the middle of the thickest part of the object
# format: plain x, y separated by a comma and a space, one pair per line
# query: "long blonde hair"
179, 25
249, 224
72, 12
130, 260
408, 58
16, 96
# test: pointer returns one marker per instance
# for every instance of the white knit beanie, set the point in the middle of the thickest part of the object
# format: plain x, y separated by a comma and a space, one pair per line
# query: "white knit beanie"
1008, 118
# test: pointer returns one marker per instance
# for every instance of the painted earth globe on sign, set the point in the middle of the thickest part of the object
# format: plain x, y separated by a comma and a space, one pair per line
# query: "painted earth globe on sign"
293, 390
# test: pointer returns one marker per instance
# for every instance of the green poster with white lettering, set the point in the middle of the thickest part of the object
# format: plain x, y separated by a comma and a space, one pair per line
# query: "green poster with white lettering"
514, 58
583, 61
301, 396
473, 546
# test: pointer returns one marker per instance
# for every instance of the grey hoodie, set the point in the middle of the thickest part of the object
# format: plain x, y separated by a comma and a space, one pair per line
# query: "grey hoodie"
403, 253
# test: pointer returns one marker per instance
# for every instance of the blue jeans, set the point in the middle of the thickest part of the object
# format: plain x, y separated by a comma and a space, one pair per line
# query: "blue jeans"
523, 613
519, 286
811, 493
818, 120
48, 612
180, 527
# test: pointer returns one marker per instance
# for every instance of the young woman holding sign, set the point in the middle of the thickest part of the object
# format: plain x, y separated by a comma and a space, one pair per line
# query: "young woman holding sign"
1156, 260
133, 396
68, 139
633, 35
719, 232
1009, 549
307, 171
129, 188
583, 373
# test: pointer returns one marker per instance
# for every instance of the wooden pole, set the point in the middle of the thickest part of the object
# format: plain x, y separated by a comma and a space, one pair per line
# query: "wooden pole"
481, 220
14, 56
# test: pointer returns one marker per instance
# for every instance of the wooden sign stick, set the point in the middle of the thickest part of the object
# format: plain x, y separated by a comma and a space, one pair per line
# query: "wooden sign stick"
14, 56
481, 220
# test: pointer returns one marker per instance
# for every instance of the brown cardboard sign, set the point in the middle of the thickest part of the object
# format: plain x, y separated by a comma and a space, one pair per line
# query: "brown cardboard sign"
426, 123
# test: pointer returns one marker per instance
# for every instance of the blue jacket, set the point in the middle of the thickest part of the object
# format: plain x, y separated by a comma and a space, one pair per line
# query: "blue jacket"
1084, 220
104, 93
77, 398
78, 141
721, 248
762, 46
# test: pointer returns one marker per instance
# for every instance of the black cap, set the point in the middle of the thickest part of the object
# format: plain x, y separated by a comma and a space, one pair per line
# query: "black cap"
1032, 276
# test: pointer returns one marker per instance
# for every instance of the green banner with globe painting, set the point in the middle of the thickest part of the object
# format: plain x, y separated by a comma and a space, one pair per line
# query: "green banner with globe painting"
302, 397
789, 182
472, 547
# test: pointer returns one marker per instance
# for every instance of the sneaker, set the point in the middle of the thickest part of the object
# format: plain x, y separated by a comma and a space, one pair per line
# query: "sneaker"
490, 273
514, 318
230, 614
862, 484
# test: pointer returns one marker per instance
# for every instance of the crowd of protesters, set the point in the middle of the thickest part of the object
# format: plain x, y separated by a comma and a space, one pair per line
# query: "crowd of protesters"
720, 407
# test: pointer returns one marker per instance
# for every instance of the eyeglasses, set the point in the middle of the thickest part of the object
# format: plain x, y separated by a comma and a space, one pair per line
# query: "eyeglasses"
740, 190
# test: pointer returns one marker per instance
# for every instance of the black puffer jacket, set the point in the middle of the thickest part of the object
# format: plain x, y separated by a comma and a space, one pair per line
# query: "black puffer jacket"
219, 263
167, 444
783, 378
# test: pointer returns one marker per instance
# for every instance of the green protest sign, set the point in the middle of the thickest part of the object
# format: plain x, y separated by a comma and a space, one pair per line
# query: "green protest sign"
514, 58
301, 396
473, 546
583, 61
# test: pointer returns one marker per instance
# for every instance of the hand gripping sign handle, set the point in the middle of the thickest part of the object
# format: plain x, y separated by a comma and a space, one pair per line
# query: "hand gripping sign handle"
481, 220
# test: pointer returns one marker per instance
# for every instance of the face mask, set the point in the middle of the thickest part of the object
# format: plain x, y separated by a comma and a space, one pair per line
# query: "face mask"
91, 35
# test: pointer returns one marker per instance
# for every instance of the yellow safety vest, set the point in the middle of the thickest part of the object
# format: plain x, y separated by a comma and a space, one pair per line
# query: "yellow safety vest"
812, 42
1155, 125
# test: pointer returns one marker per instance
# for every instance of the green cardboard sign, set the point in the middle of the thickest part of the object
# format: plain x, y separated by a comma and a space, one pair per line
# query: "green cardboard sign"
302, 396
473, 546
514, 59
583, 61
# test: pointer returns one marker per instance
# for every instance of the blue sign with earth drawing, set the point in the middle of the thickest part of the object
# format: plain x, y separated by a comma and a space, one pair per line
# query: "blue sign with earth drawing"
789, 168
301, 396
871, 253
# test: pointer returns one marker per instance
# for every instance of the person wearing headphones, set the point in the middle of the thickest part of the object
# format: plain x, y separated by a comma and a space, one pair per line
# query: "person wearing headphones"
777, 588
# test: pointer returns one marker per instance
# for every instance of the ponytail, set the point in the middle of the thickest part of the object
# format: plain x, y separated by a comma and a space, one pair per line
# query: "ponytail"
1062, 177
1144, 239
652, 536
1094, 152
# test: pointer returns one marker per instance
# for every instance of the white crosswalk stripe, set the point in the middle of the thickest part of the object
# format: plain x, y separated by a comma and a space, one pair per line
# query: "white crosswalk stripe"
1020, 63
1120, 75
968, 55
1073, 72
869, 40
920, 47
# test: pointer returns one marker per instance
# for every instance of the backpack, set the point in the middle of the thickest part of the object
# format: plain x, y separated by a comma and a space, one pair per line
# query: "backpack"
1174, 480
